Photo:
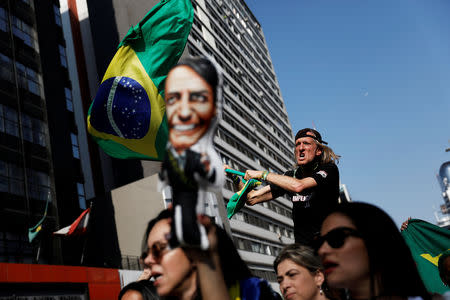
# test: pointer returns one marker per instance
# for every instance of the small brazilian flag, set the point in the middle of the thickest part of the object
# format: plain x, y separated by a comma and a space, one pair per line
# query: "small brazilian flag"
34, 231
127, 117
237, 201
427, 242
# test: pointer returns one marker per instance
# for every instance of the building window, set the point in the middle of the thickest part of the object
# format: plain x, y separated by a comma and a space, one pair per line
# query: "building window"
27, 128
11, 178
38, 132
39, 185
12, 181
16, 179
57, 15
4, 24
75, 147
81, 195
28, 79
2, 119
62, 56
239, 216
256, 246
4, 182
33, 130
69, 101
25, 32
10, 119
6, 68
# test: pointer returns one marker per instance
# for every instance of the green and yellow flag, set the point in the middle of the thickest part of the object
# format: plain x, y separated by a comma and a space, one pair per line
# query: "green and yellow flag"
427, 242
127, 117
34, 231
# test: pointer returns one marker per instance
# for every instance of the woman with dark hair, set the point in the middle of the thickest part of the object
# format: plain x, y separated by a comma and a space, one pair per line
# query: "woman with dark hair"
192, 166
363, 251
300, 273
187, 273
138, 290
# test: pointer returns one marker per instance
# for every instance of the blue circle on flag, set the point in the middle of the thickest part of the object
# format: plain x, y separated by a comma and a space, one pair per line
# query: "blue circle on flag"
121, 108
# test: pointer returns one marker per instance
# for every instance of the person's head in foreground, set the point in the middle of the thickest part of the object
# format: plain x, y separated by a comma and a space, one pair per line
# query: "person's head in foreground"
300, 273
363, 251
444, 267
138, 290
191, 101
174, 272
309, 148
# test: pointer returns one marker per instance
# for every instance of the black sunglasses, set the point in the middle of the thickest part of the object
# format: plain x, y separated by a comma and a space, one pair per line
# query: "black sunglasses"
335, 238
158, 249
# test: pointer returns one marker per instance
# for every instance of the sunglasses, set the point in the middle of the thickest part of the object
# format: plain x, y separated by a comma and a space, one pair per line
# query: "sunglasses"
157, 250
335, 238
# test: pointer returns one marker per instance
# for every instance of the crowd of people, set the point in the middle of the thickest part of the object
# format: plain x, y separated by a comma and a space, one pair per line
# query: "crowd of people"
341, 251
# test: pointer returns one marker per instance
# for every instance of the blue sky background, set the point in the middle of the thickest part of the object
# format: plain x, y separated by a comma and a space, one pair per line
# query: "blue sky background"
374, 77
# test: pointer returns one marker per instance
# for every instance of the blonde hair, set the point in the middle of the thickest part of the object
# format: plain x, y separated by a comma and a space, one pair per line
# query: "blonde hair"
328, 154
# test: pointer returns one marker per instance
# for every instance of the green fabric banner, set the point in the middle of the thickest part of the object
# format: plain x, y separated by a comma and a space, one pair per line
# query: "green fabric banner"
34, 231
427, 242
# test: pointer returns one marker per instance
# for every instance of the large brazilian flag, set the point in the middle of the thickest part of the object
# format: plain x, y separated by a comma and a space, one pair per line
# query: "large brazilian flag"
427, 242
127, 117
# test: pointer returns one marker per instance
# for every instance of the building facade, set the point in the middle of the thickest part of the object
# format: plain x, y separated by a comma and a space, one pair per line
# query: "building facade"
43, 154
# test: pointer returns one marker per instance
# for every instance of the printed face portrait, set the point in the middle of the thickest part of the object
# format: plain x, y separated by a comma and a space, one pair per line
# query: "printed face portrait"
190, 107
306, 150
346, 266
297, 282
171, 269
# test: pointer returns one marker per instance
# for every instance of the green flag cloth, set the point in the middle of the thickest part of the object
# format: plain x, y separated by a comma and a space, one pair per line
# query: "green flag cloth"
34, 231
127, 117
237, 201
427, 242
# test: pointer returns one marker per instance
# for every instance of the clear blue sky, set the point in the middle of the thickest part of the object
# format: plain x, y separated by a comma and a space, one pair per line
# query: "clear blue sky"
374, 77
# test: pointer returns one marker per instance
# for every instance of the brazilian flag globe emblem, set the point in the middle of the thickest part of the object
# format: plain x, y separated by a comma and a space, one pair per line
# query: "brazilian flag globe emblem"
127, 117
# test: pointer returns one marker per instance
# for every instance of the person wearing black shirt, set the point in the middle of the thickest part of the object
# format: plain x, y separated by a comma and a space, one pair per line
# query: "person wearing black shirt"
313, 186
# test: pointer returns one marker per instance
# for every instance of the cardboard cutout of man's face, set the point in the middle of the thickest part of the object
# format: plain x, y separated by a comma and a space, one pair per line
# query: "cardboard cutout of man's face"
192, 167
190, 107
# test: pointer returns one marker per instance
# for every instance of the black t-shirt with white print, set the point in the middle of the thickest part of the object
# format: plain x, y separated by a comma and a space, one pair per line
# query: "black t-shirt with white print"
311, 206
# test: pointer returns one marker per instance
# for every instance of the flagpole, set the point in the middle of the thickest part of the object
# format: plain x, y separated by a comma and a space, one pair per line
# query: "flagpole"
87, 235
38, 251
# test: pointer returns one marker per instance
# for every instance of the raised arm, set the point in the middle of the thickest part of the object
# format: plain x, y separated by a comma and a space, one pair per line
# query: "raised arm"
287, 183
211, 279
